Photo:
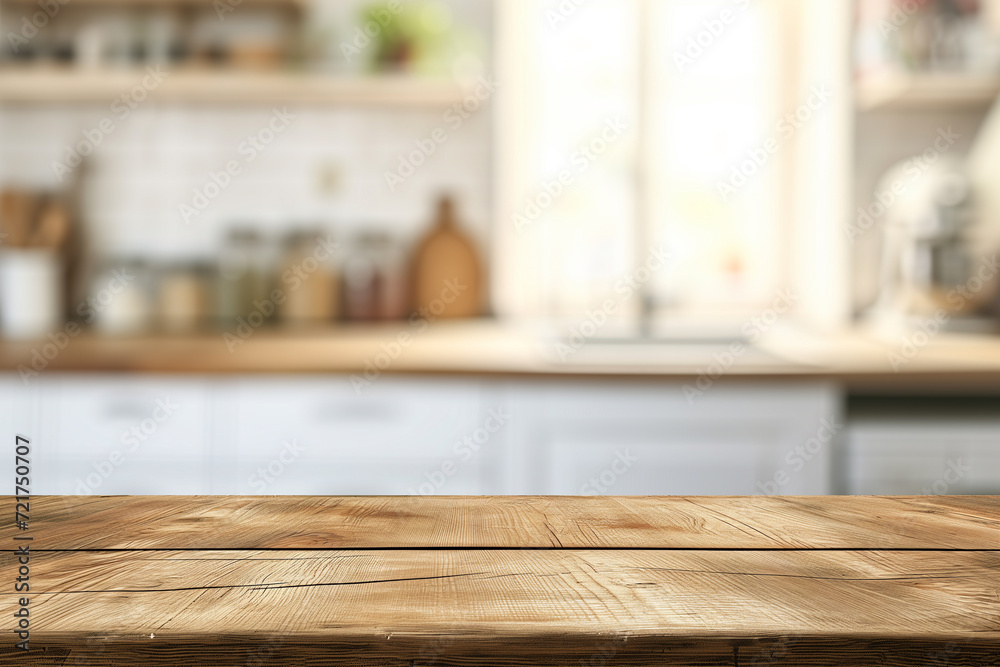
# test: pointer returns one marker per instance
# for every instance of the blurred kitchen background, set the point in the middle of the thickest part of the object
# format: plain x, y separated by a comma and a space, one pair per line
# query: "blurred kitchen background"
501, 246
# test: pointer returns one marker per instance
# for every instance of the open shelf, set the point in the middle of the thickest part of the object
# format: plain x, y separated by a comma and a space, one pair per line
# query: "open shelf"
899, 91
208, 4
61, 85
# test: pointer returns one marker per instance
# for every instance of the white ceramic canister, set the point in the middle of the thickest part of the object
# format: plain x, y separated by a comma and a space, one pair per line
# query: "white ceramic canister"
31, 293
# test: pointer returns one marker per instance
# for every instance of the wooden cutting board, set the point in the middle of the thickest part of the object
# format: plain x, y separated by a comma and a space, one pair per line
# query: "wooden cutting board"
447, 270
509, 581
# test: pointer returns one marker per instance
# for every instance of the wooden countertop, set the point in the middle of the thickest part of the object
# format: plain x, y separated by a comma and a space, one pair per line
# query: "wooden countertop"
455, 582
493, 349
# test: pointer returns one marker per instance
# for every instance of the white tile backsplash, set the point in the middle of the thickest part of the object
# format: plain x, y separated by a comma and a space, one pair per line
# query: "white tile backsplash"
155, 158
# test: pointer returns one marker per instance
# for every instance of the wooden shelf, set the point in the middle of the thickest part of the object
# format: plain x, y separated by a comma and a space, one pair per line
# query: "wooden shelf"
208, 4
40, 85
903, 91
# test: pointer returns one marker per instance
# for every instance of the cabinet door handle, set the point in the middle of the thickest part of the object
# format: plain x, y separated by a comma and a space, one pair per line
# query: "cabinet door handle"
363, 411
131, 408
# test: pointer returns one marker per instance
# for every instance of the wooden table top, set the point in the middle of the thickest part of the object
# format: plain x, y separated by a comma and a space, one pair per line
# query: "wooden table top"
462, 581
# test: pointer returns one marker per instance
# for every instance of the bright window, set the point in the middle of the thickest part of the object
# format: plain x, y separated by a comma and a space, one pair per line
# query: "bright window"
708, 92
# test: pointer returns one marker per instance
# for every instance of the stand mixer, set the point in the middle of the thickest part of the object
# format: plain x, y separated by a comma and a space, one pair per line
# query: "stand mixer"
929, 245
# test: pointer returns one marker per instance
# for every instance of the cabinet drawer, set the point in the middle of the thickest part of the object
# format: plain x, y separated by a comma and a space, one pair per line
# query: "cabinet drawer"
103, 476
322, 437
713, 466
404, 476
737, 438
146, 419
902, 458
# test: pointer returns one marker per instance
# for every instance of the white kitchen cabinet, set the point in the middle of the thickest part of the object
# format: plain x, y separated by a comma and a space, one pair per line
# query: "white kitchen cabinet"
102, 434
140, 434
638, 437
20, 414
319, 436
924, 456
316, 435
707, 463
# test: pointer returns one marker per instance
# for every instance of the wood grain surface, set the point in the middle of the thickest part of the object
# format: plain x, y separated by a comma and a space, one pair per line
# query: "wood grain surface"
594, 522
459, 582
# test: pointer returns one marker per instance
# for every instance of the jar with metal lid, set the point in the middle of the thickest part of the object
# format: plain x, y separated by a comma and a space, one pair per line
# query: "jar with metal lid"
375, 278
309, 279
183, 302
119, 300
244, 274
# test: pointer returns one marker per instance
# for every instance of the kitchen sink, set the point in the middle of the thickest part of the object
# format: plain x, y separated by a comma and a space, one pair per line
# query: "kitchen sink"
663, 351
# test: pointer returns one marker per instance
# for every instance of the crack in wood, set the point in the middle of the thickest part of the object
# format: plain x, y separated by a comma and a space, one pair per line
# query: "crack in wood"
274, 586
553, 534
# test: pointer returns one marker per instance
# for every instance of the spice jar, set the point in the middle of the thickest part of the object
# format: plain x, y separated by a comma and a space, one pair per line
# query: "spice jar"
120, 298
243, 274
361, 280
375, 279
183, 303
394, 297
309, 279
